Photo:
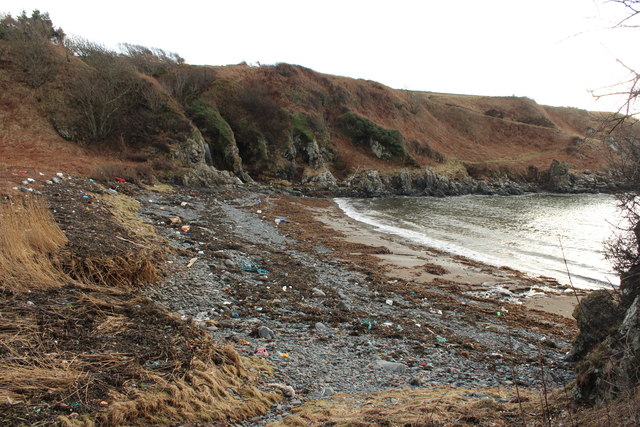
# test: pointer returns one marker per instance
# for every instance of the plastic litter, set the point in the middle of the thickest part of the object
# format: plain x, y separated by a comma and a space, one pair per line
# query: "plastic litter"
279, 220
252, 267
117, 178
262, 351
235, 315
185, 228
367, 323
389, 302
441, 339
183, 204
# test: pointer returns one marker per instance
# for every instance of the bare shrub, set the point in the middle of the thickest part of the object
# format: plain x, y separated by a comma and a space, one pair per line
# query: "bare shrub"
151, 60
186, 82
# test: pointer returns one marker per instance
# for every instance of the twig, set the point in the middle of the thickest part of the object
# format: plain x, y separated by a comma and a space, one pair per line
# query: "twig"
514, 374
566, 266
130, 241
544, 389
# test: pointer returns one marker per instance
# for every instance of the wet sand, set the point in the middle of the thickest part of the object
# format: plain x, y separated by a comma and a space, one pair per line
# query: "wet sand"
408, 261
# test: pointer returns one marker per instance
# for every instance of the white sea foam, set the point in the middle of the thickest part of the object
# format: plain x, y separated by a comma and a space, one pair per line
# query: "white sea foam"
527, 233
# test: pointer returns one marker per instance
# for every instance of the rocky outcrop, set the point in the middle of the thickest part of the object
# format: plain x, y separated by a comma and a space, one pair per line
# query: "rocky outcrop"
207, 176
324, 180
597, 315
607, 348
557, 178
191, 154
367, 183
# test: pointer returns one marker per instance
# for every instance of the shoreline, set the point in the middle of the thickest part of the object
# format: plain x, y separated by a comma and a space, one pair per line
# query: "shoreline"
326, 305
411, 261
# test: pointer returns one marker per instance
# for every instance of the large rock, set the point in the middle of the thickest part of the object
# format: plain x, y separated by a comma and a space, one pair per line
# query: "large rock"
206, 176
368, 182
630, 286
323, 180
557, 178
597, 316
607, 349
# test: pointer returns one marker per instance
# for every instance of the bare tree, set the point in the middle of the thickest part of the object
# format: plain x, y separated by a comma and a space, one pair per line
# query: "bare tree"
103, 94
186, 82
629, 89
151, 60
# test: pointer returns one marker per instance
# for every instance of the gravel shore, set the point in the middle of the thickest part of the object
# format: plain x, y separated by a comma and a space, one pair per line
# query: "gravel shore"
338, 308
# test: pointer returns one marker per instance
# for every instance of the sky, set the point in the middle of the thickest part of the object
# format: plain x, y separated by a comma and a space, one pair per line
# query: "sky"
553, 51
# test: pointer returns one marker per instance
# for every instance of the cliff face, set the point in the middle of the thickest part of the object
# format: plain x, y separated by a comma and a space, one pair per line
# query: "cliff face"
289, 124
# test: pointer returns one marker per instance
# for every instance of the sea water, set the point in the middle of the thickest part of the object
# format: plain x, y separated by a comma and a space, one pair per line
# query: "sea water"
534, 233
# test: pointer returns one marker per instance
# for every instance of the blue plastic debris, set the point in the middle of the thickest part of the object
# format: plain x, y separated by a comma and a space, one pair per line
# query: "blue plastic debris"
252, 267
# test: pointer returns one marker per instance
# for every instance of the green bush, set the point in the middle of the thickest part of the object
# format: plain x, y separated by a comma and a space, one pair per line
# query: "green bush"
385, 143
216, 131
301, 127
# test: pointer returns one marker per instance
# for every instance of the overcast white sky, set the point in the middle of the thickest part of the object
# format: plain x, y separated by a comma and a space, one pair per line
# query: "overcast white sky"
553, 51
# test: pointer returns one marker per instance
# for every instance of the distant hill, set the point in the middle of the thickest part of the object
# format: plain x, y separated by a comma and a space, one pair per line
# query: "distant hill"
76, 105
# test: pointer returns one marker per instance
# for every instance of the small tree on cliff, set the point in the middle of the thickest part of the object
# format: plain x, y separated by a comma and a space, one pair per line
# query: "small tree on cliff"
29, 38
624, 250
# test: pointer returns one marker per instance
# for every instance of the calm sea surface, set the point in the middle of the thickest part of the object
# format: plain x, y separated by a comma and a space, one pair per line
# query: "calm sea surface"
526, 233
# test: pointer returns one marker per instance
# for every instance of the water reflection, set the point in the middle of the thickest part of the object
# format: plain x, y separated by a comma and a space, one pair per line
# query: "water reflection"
523, 232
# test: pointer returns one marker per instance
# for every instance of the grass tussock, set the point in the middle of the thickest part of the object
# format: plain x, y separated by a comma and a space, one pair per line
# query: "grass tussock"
421, 407
206, 393
461, 407
127, 271
29, 239
131, 261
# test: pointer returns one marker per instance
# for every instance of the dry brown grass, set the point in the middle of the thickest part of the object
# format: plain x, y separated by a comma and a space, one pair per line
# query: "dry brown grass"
29, 238
126, 271
458, 407
72, 339
404, 407
206, 393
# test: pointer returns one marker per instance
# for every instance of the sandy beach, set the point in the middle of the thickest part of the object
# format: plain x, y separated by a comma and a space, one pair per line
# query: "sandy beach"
404, 260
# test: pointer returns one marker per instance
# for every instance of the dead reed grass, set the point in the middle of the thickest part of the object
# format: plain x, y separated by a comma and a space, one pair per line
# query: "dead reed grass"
75, 332
29, 239
207, 392
36, 378
401, 407
129, 270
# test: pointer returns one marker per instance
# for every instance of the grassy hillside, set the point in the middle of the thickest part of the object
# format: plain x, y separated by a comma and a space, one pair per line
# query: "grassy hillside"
67, 104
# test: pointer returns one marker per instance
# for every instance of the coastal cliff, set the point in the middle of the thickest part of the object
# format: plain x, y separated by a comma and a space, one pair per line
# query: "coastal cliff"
285, 125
